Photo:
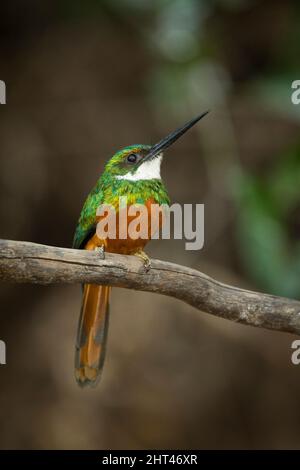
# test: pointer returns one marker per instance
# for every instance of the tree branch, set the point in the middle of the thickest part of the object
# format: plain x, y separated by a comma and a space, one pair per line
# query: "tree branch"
41, 264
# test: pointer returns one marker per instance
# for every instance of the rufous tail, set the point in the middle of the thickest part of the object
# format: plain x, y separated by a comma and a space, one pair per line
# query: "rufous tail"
92, 334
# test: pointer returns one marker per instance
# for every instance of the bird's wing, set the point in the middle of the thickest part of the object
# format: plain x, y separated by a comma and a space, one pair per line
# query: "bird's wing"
87, 222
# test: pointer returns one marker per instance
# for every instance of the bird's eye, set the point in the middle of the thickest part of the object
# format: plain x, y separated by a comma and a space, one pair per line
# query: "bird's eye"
132, 158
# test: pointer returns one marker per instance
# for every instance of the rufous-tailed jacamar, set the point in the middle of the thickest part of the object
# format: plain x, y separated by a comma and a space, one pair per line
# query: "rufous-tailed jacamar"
133, 172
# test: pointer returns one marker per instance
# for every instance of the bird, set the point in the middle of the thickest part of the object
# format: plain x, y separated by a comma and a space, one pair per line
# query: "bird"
132, 172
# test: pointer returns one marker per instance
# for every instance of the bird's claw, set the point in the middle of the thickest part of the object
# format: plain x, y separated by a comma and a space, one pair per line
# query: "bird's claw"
145, 258
100, 251
147, 264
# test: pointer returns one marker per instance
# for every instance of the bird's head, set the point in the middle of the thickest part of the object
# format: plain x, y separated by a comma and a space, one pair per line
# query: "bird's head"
142, 162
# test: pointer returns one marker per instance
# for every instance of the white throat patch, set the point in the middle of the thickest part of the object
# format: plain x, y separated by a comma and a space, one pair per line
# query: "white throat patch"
146, 171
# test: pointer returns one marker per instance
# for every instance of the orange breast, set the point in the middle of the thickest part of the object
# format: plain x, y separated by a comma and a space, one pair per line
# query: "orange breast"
137, 236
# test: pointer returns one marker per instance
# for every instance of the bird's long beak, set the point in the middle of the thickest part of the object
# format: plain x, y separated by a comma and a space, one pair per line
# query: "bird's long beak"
171, 138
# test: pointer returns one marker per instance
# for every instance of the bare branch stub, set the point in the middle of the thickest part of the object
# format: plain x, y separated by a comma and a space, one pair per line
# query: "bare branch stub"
33, 263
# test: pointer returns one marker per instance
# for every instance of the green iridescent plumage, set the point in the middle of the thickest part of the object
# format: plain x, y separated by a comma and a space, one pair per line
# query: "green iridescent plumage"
109, 189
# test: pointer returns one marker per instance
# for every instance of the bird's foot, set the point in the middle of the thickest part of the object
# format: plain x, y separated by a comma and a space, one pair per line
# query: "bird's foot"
101, 251
145, 258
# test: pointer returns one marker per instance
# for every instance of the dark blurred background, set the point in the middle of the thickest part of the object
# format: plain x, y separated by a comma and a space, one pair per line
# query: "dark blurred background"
85, 78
